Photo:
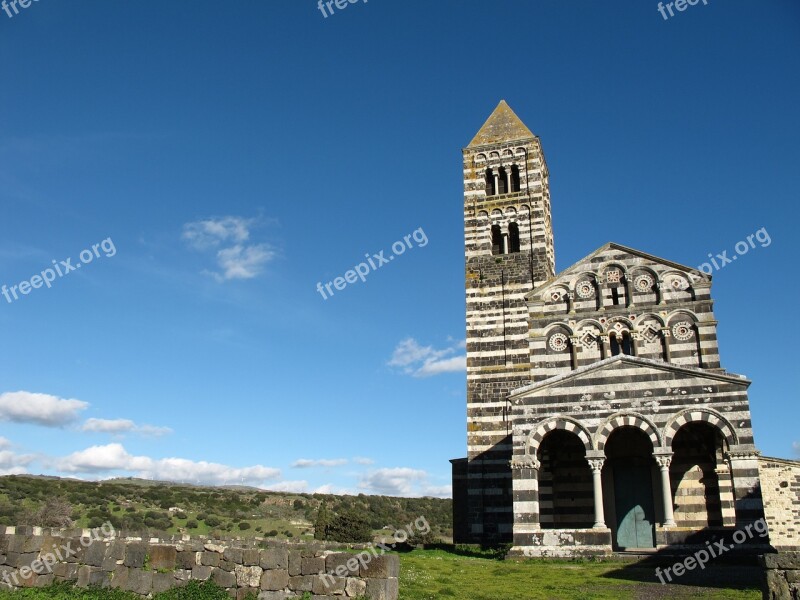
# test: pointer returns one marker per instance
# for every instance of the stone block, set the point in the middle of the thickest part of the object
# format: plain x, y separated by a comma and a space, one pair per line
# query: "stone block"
119, 578
355, 588
275, 579
342, 565
201, 573
295, 562
233, 555
275, 558
163, 557
381, 567
210, 559
223, 578
139, 582
248, 576
185, 560
162, 582
382, 589
328, 585
135, 555
95, 554
312, 566
301, 583
251, 557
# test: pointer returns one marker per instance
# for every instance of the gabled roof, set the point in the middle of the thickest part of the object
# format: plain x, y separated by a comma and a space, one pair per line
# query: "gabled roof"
621, 360
502, 125
696, 275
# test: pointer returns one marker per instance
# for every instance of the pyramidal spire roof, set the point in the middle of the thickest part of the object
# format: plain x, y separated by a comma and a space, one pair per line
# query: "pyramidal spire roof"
502, 125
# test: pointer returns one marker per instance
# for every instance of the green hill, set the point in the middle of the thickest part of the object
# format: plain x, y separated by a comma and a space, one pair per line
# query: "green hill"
139, 505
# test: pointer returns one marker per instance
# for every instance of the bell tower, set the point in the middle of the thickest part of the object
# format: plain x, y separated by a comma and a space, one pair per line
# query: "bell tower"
508, 241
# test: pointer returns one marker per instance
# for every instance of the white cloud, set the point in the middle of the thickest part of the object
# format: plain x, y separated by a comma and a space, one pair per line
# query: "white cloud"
293, 487
400, 481
438, 491
12, 463
122, 426
236, 259
39, 409
210, 233
114, 457
243, 262
796, 447
362, 460
425, 361
306, 463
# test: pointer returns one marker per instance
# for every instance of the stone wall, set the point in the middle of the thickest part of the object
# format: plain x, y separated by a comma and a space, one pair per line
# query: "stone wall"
36, 557
782, 576
780, 487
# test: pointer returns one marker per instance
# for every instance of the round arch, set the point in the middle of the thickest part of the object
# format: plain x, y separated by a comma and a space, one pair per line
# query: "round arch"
700, 415
627, 419
566, 423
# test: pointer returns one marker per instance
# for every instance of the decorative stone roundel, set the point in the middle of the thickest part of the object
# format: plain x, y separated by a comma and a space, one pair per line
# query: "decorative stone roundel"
682, 331
585, 289
558, 342
644, 283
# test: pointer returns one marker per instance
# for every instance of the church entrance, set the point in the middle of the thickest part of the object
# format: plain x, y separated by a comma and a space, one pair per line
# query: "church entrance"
634, 507
629, 454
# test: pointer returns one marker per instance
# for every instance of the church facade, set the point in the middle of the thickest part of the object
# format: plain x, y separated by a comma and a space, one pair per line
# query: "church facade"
599, 417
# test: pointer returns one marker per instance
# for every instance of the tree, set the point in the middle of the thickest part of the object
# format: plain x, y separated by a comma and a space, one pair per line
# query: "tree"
55, 512
349, 527
322, 523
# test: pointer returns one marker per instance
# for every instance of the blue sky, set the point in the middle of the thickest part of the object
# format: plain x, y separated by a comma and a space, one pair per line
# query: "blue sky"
234, 155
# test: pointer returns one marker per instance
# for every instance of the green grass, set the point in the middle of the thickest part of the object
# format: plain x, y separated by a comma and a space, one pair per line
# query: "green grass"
437, 574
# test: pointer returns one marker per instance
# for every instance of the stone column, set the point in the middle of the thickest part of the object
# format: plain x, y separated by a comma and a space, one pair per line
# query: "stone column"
664, 460
666, 335
596, 464
525, 485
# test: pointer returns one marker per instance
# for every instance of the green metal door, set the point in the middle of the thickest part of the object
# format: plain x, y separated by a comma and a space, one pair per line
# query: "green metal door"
633, 492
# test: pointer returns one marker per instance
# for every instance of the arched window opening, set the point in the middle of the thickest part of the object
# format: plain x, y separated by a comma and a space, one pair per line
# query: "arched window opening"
513, 238
490, 191
502, 181
497, 240
627, 343
515, 183
615, 348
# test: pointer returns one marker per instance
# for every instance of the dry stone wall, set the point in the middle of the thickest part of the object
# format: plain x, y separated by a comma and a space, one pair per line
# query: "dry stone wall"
36, 557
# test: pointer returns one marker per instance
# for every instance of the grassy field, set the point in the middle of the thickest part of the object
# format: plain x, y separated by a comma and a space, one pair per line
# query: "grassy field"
436, 574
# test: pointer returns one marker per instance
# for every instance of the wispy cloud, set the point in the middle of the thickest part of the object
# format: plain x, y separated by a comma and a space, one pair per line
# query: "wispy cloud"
123, 426
229, 238
307, 463
425, 361
796, 447
362, 460
113, 458
39, 409
12, 463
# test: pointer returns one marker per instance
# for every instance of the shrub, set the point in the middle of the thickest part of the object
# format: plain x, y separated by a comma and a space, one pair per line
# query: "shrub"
191, 524
244, 526
349, 527
212, 521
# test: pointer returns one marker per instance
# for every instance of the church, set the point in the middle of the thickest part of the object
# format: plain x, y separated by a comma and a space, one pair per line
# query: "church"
599, 417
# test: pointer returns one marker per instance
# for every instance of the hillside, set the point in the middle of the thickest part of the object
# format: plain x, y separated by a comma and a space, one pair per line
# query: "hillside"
139, 505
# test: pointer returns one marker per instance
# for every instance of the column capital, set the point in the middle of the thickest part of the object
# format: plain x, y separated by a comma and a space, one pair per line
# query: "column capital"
596, 464
663, 458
